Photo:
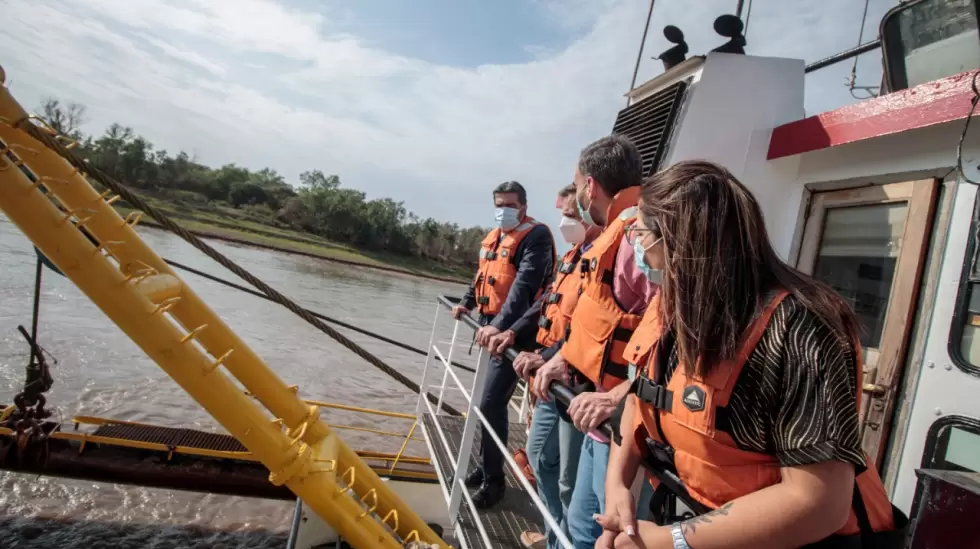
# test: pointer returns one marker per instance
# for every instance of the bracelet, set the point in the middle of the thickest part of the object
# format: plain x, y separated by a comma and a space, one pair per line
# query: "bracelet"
678, 535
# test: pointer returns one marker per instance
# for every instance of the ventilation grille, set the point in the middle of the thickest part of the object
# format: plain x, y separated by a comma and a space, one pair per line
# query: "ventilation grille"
648, 124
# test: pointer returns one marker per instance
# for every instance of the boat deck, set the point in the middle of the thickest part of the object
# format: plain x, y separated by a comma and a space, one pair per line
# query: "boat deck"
505, 522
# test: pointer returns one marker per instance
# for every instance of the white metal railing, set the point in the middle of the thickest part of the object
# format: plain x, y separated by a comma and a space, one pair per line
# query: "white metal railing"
457, 493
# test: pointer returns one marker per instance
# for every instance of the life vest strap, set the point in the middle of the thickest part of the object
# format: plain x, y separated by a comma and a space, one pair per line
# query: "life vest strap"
654, 394
622, 334
617, 371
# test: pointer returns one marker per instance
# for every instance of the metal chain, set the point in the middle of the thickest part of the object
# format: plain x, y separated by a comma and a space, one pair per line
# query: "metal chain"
28, 413
52, 142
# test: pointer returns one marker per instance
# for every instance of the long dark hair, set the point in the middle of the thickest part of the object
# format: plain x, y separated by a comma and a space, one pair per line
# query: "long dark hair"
720, 265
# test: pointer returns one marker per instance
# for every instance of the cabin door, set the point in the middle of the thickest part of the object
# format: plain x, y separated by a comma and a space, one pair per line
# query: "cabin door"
869, 244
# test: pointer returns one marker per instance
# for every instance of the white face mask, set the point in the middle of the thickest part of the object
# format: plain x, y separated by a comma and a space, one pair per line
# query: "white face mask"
506, 218
572, 230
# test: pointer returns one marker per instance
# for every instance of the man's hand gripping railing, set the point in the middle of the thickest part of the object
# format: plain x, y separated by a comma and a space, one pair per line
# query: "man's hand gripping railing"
562, 393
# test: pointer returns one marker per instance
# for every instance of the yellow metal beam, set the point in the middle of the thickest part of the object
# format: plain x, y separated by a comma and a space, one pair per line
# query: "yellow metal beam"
308, 457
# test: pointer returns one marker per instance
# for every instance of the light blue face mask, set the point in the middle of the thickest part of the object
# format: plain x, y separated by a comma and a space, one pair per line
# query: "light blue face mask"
583, 213
655, 276
506, 218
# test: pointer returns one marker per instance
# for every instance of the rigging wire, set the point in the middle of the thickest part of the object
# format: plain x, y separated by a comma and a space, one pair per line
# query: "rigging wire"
851, 87
54, 142
340, 323
639, 54
962, 173
745, 24
966, 126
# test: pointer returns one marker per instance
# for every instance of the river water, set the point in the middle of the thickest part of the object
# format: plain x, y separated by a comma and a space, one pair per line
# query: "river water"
101, 372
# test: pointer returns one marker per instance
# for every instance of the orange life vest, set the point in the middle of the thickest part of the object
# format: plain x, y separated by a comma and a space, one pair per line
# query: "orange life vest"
712, 467
497, 272
600, 329
559, 302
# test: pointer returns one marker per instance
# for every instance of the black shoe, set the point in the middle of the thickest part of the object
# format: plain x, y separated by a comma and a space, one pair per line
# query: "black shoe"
474, 479
489, 494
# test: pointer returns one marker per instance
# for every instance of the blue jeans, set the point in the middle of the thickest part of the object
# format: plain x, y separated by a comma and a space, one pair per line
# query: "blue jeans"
589, 495
501, 381
552, 450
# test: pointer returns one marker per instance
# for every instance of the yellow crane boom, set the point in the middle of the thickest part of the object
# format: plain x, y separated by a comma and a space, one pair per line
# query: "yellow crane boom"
50, 201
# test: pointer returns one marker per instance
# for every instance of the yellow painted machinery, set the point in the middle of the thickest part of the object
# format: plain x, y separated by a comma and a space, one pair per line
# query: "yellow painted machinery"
76, 227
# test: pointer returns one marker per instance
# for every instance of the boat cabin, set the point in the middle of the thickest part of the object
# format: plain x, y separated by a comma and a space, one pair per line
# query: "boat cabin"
877, 199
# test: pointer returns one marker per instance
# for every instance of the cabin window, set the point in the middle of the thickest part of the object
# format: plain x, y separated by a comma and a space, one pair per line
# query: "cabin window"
964, 341
857, 256
925, 40
953, 444
869, 245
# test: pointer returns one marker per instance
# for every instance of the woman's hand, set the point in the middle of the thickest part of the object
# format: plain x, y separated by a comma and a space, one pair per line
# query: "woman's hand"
620, 516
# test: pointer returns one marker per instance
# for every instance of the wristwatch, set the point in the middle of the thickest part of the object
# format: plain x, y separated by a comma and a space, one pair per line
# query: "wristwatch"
678, 535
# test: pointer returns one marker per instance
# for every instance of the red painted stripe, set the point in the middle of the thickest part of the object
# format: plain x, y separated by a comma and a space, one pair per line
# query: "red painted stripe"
943, 100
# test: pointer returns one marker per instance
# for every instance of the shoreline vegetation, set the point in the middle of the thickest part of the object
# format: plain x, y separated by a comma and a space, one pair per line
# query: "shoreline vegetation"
298, 244
315, 217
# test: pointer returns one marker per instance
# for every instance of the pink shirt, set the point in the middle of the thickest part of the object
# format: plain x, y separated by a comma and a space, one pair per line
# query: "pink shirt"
632, 290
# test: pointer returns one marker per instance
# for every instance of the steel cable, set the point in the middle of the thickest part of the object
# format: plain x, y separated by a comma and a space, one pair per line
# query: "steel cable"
340, 323
52, 142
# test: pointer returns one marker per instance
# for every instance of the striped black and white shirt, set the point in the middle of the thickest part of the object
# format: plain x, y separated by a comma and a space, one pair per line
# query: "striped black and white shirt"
796, 397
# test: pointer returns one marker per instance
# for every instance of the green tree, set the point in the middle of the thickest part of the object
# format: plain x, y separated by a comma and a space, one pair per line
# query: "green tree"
319, 204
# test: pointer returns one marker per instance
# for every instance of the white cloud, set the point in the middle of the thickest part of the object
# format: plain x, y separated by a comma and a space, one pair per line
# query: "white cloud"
280, 87
186, 56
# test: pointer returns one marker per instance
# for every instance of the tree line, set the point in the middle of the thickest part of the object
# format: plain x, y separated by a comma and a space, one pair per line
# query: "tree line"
318, 204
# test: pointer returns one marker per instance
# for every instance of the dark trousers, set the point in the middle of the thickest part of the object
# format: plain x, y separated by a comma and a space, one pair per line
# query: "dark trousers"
500, 385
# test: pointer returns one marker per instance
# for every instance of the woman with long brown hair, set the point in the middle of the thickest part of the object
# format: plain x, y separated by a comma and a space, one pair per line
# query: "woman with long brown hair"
746, 376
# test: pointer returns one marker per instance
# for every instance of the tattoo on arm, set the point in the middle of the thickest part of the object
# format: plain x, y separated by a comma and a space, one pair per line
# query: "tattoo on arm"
689, 526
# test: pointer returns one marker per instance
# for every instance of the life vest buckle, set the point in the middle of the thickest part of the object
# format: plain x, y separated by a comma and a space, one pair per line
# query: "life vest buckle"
544, 322
654, 394
566, 267
553, 298
483, 300
491, 280
491, 256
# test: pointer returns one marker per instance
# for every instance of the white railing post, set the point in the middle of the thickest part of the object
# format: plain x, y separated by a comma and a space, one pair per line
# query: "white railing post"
448, 365
531, 491
419, 408
525, 405
469, 432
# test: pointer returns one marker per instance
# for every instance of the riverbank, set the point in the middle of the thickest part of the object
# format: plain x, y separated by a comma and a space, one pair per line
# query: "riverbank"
211, 224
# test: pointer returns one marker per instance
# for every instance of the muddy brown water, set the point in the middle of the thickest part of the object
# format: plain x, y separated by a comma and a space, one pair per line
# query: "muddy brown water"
101, 372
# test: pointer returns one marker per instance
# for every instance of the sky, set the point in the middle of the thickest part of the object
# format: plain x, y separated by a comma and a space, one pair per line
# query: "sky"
430, 102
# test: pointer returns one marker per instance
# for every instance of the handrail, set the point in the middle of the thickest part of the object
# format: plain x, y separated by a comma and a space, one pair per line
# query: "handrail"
565, 394
456, 492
